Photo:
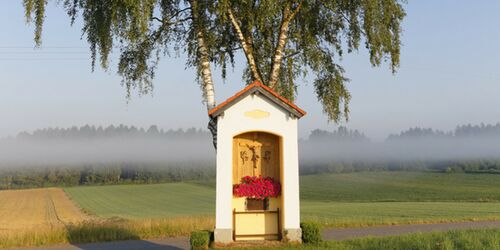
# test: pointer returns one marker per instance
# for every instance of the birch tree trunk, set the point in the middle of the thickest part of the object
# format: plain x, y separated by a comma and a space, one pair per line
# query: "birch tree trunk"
208, 85
205, 70
288, 15
247, 47
278, 56
203, 58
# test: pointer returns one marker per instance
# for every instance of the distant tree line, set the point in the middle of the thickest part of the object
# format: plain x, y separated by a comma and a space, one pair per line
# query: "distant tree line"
342, 134
491, 166
335, 142
120, 131
103, 174
96, 173
462, 131
149, 173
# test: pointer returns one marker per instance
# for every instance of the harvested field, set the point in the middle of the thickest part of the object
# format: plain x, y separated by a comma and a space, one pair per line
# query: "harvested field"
37, 209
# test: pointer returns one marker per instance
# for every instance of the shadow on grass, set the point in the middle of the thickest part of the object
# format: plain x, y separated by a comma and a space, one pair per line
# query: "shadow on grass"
126, 245
97, 236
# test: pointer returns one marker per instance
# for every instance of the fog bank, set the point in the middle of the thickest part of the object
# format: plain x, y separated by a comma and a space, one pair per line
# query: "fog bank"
89, 145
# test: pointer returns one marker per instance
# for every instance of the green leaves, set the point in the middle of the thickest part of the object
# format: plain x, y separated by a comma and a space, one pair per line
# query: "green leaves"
332, 92
36, 8
316, 39
381, 24
283, 40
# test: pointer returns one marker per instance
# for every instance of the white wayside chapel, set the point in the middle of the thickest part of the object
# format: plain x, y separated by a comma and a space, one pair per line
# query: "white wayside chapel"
257, 190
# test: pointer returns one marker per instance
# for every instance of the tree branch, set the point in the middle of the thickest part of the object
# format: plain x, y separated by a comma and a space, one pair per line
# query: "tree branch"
180, 11
343, 15
291, 54
157, 19
247, 48
288, 15
297, 9
230, 49
167, 20
348, 20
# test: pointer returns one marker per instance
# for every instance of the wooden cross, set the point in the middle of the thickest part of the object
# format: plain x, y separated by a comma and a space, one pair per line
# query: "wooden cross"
254, 147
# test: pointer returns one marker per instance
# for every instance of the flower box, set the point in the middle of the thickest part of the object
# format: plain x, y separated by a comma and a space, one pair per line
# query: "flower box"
257, 187
253, 204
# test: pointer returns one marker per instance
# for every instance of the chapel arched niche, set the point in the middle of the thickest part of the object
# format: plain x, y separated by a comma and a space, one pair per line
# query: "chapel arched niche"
256, 153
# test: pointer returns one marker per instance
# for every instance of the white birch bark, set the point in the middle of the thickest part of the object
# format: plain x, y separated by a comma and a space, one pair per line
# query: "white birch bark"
208, 88
288, 15
206, 73
247, 48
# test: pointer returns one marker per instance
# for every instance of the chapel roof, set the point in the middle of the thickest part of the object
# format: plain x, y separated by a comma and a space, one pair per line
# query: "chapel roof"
259, 88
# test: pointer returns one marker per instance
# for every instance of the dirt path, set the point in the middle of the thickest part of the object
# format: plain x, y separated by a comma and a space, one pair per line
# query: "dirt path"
328, 234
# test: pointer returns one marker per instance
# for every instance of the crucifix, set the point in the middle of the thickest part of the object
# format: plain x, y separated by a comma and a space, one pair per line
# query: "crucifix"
254, 148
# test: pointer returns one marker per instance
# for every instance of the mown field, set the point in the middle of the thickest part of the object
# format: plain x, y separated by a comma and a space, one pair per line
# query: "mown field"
37, 208
120, 212
34, 217
37, 217
145, 201
357, 199
401, 186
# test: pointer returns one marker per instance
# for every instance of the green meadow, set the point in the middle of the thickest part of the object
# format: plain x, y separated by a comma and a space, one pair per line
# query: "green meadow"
145, 201
355, 199
463, 239
122, 212
401, 186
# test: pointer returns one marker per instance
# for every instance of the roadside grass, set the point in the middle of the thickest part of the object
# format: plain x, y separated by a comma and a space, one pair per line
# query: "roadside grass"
468, 239
463, 239
122, 229
105, 230
32, 237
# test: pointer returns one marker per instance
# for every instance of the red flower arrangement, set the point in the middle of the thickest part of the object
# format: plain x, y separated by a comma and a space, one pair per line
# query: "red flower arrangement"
257, 187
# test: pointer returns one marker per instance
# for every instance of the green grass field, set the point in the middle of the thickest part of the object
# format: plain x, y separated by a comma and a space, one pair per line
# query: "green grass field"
360, 214
357, 199
145, 201
464, 239
337, 200
400, 186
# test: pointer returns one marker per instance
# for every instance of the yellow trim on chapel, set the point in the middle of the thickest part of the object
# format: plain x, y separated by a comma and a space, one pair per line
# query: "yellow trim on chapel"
257, 114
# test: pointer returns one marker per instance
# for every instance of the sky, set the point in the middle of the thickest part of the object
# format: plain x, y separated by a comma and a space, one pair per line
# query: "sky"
449, 75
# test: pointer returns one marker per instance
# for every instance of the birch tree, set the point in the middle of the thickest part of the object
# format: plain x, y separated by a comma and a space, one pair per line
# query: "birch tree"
281, 40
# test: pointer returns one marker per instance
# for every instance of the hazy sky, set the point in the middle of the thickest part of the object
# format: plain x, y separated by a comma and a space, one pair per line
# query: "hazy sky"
449, 75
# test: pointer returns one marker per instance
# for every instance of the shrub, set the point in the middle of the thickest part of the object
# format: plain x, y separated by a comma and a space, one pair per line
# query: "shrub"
311, 232
200, 240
